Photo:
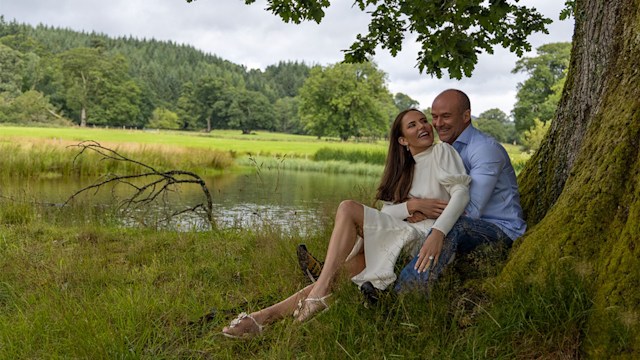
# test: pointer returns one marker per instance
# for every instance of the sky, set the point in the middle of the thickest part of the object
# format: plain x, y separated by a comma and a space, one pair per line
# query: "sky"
251, 36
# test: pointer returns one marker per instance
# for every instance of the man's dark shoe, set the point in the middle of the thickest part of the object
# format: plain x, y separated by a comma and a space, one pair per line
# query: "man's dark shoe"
370, 292
310, 266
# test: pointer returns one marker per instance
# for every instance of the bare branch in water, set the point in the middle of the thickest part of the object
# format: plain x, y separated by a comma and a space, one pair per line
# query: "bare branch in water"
155, 184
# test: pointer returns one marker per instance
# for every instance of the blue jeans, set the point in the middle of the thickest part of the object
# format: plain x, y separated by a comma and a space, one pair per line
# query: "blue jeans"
466, 235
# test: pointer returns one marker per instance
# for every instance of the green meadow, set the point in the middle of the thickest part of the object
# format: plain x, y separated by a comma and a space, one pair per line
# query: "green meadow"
76, 284
259, 143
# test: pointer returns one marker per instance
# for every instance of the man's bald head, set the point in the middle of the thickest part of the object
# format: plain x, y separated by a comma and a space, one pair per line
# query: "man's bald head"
451, 111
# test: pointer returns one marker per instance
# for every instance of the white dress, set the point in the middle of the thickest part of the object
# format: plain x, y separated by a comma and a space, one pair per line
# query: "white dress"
439, 174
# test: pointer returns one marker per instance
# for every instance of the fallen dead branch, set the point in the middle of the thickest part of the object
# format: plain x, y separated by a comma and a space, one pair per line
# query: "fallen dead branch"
149, 186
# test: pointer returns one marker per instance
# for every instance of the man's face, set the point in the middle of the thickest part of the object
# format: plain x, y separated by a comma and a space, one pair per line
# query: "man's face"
448, 117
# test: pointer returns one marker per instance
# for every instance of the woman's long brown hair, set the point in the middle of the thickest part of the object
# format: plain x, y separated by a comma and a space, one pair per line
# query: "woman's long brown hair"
398, 169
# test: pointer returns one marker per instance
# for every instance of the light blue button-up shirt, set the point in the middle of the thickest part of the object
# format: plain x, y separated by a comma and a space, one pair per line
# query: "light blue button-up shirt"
494, 189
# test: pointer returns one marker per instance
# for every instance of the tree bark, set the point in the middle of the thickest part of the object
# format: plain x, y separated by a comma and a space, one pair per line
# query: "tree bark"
581, 190
83, 117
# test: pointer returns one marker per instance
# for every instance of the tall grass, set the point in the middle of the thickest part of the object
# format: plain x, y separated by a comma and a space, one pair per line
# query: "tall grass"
376, 156
518, 157
55, 159
326, 166
538, 318
74, 286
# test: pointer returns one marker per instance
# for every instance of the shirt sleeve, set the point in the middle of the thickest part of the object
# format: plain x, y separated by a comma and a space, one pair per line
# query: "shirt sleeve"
485, 165
452, 175
399, 211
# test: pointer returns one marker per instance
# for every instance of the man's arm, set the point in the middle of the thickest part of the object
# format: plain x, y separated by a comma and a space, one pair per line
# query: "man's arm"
415, 210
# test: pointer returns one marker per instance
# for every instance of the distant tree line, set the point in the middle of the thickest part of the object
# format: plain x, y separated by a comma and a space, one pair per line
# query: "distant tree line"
62, 77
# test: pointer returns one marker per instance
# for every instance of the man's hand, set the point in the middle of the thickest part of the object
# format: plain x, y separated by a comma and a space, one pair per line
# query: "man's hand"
416, 217
431, 208
430, 251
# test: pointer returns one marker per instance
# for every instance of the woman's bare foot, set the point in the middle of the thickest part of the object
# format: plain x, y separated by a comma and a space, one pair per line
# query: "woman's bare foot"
309, 307
244, 326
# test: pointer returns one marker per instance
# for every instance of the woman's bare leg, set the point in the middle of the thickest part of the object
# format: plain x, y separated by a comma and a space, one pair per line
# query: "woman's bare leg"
355, 265
348, 223
269, 315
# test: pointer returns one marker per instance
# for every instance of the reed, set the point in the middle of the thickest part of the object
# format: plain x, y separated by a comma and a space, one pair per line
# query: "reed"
376, 157
326, 166
56, 158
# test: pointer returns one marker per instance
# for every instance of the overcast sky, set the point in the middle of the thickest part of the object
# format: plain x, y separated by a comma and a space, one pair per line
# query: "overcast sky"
251, 36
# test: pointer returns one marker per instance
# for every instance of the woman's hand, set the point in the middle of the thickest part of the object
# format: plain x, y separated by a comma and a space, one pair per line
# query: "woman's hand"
430, 251
431, 208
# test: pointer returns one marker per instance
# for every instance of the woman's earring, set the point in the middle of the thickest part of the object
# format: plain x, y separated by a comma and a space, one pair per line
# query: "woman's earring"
407, 146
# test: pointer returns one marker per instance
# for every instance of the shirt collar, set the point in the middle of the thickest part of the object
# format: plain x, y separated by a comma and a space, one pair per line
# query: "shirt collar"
423, 154
465, 135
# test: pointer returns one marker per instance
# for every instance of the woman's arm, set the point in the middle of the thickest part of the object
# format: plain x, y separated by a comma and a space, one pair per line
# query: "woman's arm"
455, 208
399, 211
415, 210
453, 177
433, 244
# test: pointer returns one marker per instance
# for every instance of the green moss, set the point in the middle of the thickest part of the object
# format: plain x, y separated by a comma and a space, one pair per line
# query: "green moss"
595, 222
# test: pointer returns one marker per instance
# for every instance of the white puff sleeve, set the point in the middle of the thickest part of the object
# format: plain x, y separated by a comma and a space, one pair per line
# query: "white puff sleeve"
452, 175
398, 211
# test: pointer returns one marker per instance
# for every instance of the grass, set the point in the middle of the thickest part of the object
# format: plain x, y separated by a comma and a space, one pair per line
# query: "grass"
44, 152
518, 157
376, 157
74, 285
49, 158
262, 143
326, 166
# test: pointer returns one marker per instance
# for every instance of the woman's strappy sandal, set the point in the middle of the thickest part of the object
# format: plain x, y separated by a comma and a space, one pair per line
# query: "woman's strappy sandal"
310, 307
246, 334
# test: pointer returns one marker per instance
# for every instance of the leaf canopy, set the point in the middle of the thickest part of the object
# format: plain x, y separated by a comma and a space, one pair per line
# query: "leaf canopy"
451, 32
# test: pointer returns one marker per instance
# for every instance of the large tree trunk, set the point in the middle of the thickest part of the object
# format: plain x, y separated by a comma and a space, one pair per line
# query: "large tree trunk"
581, 190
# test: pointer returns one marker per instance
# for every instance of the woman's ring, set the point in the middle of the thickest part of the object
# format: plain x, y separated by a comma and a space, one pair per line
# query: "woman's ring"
430, 257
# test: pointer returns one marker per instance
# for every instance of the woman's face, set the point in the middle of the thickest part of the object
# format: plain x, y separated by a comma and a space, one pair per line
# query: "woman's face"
417, 132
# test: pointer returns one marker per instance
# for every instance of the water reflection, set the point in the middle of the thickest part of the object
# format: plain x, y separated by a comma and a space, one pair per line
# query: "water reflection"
288, 199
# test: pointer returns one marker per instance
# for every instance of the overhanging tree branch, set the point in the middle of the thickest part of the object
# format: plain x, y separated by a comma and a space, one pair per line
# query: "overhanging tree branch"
451, 33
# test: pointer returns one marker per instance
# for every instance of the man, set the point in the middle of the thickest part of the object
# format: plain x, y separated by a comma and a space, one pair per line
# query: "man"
493, 215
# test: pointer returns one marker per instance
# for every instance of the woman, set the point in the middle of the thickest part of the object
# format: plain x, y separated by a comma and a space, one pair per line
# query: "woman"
368, 241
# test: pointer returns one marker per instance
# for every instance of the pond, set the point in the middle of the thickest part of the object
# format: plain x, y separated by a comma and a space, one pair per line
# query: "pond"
290, 199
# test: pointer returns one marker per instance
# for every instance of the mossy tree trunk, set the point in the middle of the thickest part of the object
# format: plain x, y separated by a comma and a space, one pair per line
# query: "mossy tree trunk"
581, 190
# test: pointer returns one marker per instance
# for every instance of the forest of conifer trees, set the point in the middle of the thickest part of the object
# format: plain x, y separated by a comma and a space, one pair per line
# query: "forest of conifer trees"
54, 76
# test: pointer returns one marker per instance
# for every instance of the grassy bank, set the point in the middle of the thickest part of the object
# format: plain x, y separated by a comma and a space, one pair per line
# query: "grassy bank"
49, 152
77, 286
325, 166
